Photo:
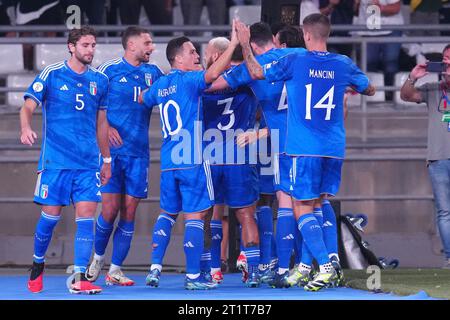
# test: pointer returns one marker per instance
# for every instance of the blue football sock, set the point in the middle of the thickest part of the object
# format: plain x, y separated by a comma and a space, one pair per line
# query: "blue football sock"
298, 246
122, 241
319, 215
329, 228
205, 261
253, 256
193, 244
216, 241
161, 237
103, 230
43, 235
273, 248
306, 257
285, 236
313, 237
265, 229
84, 241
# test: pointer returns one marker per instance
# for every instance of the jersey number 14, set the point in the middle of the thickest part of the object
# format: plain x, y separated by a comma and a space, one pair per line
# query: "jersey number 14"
328, 97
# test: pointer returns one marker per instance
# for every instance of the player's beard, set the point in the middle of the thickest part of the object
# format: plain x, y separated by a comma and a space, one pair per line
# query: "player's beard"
144, 57
84, 59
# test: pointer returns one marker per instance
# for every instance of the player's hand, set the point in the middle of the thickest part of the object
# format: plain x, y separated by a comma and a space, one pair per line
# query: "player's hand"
114, 137
141, 96
105, 173
419, 71
234, 37
28, 136
246, 138
243, 33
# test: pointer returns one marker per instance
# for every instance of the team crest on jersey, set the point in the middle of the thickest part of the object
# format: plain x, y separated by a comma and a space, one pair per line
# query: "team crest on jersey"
93, 88
44, 191
148, 79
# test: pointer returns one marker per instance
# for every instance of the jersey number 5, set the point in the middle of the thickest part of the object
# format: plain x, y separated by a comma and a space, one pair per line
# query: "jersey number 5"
319, 105
78, 99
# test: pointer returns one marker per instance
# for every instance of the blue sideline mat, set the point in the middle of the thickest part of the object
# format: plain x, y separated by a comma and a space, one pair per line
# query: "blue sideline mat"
171, 288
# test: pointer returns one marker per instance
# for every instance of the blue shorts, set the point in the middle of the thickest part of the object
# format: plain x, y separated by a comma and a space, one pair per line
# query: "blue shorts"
315, 176
235, 185
283, 173
60, 187
129, 175
189, 190
265, 178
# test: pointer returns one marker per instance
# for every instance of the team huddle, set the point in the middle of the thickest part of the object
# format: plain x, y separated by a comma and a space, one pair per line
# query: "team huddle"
293, 97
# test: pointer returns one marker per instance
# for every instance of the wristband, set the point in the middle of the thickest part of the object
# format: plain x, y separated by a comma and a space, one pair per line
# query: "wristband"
107, 159
411, 80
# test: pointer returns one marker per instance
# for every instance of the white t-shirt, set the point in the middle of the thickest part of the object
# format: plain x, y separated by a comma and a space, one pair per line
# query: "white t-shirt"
366, 16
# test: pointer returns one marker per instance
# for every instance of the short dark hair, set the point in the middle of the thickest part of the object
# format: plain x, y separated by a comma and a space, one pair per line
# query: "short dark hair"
76, 34
174, 46
260, 33
132, 31
318, 24
292, 37
277, 26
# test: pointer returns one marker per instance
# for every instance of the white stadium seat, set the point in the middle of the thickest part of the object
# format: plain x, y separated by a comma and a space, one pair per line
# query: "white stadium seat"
46, 54
15, 99
433, 47
158, 57
105, 52
247, 14
12, 58
400, 79
377, 79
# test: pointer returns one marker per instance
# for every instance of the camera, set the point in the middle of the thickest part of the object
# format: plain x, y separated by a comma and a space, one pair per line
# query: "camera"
438, 67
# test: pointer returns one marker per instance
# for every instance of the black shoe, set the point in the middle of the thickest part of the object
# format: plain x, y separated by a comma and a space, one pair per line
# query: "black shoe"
280, 280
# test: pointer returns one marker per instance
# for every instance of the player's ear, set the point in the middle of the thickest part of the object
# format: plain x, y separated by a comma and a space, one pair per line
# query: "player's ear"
71, 47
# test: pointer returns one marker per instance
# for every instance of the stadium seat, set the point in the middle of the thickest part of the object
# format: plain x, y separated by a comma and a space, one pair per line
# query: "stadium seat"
247, 14
377, 79
15, 61
46, 54
105, 52
15, 99
158, 57
433, 47
400, 79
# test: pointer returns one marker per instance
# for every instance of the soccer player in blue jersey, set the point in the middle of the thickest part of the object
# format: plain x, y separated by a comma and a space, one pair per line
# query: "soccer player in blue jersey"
316, 81
73, 97
227, 113
128, 138
273, 101
185, 178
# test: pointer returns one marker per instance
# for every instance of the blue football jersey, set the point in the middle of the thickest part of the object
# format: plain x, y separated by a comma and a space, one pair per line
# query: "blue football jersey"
125, 113
229, 112
70, 102
178, 96
316, 83
271, 95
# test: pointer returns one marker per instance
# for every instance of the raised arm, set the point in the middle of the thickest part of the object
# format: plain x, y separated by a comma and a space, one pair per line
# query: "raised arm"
254, 68
408, 92
224, 60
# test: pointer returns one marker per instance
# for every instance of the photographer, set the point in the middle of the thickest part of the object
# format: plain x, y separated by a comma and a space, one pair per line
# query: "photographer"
436, 97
